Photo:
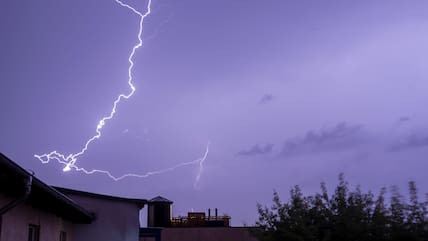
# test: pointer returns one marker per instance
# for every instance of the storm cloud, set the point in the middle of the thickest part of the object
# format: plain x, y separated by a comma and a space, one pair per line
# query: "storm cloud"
257, 150
341, 137
266, 99
415, 140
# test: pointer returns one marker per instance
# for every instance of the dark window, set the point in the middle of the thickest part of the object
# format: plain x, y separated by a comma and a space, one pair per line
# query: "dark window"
33, 232
62, 236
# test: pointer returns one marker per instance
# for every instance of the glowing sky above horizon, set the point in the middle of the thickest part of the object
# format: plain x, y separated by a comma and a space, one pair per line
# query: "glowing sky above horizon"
286, 92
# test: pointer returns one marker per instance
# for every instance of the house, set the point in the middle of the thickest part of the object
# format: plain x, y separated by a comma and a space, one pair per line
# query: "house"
32, 210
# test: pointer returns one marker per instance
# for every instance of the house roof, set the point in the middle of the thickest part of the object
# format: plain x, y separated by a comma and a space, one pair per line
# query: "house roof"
42, 196
137, 201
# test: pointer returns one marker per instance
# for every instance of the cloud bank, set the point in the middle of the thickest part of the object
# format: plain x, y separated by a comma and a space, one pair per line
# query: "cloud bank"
257, 150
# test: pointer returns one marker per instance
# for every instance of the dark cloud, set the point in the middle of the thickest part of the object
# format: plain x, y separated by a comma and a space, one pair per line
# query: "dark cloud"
340, 137
415, 140
266, 98
257, 150
404, 119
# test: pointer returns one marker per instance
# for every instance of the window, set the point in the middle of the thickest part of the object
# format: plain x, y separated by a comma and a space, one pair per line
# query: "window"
62, 236
33, 232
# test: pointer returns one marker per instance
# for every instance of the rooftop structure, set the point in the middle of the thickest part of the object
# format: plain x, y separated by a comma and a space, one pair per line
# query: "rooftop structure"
199, 219
195, 226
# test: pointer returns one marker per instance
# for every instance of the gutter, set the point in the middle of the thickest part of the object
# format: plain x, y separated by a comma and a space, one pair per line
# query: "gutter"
21, 199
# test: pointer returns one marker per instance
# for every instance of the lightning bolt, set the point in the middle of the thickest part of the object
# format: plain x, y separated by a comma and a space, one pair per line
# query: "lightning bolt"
60, 159
201, 166
69, 161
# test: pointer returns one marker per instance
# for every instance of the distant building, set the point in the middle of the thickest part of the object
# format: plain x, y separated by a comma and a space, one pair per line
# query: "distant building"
195, 226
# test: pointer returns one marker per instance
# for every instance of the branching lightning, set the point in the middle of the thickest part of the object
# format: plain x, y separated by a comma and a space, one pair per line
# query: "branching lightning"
201, 166
69, 161
60, 159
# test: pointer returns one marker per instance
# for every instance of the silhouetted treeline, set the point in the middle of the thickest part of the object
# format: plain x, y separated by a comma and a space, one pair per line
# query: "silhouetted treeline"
345, 216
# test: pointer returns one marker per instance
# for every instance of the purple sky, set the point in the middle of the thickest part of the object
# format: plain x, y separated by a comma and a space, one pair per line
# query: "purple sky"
286, 92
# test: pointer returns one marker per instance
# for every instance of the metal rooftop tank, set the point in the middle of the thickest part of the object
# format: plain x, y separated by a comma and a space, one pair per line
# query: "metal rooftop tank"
159, 212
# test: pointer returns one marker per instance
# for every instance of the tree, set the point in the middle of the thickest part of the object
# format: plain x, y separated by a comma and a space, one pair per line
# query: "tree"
379, 224
346, 215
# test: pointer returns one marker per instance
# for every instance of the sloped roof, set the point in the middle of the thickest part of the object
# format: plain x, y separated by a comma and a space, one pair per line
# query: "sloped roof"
137, 201
42, 196
160, 199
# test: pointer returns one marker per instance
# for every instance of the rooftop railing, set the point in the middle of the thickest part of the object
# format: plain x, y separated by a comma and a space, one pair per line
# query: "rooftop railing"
201, 221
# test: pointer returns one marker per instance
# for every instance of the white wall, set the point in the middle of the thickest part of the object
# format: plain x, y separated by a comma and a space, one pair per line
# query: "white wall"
115, 220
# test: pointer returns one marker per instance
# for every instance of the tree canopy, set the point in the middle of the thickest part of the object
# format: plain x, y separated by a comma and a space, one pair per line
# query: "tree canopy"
344, 216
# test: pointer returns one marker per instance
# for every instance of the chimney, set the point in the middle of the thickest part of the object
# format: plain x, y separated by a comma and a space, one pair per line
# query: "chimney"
209, 213
216, 213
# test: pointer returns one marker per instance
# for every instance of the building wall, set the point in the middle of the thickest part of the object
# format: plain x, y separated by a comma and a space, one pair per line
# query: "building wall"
114, 220
14, 225
207, 234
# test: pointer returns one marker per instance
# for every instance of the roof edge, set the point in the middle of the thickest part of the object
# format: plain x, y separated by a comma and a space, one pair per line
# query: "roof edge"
139, 202
37, 182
